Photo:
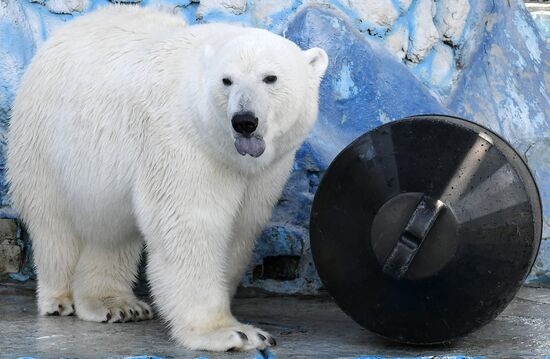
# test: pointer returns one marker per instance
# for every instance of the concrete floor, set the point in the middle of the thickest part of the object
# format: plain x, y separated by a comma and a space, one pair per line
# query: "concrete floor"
304, 328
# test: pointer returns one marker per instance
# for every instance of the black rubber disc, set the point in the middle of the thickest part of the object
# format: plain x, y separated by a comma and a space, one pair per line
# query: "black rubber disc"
424, 229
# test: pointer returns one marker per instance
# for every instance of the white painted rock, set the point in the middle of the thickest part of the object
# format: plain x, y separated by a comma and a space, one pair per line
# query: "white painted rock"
451, 19
442, 67
235, 7
380, 13
424, 34
64, 6
264, 9
397, 42
404, 5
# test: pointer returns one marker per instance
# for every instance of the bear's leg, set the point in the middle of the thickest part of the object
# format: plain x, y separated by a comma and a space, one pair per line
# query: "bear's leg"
263, 191
187, 223
105, 274
55, 250
243, 241
191, 291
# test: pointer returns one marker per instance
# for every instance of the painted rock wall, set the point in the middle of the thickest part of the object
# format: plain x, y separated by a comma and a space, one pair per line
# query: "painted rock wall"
541, 14
482, 60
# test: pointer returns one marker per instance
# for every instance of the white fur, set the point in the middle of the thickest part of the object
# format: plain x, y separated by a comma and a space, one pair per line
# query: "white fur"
121, 134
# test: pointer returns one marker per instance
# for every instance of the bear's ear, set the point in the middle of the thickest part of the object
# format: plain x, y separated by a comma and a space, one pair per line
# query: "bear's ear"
317, 58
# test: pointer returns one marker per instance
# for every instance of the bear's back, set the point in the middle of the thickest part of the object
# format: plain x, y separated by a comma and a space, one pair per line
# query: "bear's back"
82, 101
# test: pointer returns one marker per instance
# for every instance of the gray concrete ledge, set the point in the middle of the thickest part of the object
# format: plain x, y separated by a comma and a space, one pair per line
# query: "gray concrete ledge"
304, 328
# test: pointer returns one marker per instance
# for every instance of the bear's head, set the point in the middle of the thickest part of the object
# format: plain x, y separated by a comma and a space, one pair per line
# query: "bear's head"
262, 92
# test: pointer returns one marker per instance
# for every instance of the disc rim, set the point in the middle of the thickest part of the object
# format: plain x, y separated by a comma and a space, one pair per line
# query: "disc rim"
528, 179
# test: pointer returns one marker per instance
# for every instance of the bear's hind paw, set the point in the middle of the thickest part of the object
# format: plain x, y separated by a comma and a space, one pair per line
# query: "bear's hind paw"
59, 305
113, 310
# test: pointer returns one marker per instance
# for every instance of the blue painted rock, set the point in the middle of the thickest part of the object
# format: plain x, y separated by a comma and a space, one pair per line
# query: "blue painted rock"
484, 61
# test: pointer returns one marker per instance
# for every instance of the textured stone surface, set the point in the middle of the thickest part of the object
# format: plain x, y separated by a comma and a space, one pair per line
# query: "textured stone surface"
304, 328
10, 251
481, 60
235, 7
424, 34
379, 15
541, 15
63, 6
10, 257
451, 19
8, 230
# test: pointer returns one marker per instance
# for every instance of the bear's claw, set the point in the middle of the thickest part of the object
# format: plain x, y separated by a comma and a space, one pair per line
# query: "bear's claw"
242, 335
113, 309
270, 341
235, 338
107, 318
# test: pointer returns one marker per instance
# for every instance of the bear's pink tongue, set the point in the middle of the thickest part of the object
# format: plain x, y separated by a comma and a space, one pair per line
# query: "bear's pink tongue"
254, 146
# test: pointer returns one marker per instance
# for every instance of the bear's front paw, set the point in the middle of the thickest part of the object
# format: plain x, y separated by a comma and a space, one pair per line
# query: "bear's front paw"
58, 305
113, 309
236, 338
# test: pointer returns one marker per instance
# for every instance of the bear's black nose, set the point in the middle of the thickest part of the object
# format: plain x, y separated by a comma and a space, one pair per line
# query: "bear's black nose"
244, 122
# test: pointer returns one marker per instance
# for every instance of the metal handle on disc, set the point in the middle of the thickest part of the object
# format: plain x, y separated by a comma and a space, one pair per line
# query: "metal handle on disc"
423, 218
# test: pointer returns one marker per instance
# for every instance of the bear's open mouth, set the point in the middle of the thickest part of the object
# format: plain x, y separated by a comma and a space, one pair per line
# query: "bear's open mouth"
250, 145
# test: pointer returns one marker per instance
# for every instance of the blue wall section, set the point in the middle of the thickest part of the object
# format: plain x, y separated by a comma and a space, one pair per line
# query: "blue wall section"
498, 76
506, 87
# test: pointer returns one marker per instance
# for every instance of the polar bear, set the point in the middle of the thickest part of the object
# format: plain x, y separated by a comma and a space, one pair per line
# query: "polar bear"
129, 128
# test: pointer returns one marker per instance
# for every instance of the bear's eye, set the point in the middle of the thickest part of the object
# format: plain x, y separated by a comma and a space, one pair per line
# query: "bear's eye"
227, 82
270, 79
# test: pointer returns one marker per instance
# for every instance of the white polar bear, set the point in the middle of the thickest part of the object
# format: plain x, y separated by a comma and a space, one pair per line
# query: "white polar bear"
130, 127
